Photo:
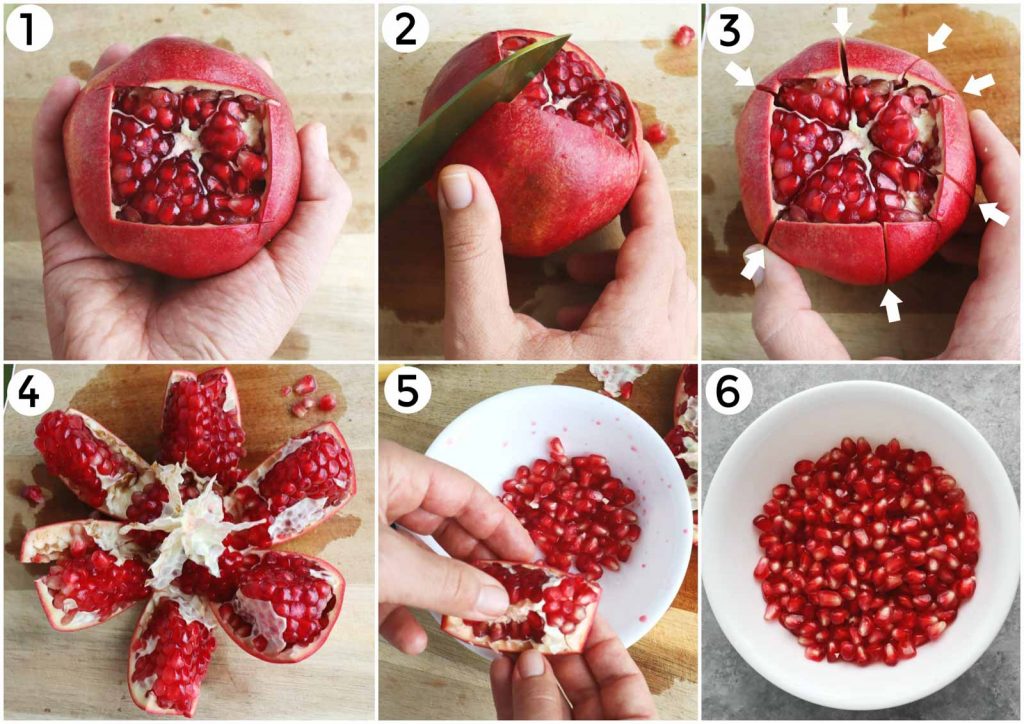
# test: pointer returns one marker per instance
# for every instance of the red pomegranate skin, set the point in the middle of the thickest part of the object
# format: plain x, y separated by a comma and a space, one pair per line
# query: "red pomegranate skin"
554, 180
856, 253
187, 252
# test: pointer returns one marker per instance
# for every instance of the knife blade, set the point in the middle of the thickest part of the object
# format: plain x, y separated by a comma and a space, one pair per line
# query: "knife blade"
413, 162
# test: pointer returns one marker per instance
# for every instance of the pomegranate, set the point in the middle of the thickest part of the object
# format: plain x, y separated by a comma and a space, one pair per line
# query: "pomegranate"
855, 161
562, 158
187, 542
868, 553
182, 158
575, 510
549, 610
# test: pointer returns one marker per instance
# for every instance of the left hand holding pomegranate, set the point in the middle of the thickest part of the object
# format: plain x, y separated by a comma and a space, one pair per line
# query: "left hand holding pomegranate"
647, 309
99, 307
602, 682
431, 498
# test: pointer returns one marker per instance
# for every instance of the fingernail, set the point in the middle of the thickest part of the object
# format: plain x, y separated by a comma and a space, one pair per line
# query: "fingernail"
492, 601
320, 147
758, 277
457, 189
530, 664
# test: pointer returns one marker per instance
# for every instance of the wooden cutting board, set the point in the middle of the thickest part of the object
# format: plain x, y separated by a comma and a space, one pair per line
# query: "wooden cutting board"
82, 675
448, 681
635, 49
322, 57
986, 39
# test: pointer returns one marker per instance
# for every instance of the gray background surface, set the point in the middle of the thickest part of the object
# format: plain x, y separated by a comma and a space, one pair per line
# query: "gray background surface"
988, 396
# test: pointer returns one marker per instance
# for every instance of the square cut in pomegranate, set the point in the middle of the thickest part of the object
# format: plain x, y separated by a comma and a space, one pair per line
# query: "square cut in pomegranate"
189, 157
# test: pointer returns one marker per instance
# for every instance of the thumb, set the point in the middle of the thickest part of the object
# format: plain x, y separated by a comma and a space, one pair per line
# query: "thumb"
535, 691
783, 320
416, 576
476, 291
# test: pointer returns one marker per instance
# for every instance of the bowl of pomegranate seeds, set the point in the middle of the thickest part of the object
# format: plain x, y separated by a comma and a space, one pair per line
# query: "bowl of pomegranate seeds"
861, 544
595, 485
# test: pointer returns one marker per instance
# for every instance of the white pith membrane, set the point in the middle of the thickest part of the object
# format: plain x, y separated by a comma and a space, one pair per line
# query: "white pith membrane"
856, 138
303, 513
186, 139
265, 621
553, 641
191, 609
613, 377
195, 529
691, 453
47, 544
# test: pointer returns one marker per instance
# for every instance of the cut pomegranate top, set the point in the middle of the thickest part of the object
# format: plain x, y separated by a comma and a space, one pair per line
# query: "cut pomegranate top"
569, 87
854, 152
189, 157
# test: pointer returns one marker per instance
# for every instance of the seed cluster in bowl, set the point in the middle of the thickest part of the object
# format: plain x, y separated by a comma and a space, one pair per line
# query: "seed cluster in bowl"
868, 553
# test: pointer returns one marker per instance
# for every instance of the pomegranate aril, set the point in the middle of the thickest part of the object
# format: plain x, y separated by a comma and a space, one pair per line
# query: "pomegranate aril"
873, 565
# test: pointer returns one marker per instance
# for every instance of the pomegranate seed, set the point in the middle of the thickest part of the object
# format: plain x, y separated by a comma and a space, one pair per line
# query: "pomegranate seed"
305, 386
866, 556
33, 494
328, 402
683, 37
656, 133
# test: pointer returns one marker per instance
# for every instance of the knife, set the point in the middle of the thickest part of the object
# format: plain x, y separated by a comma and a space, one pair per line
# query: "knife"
413, 162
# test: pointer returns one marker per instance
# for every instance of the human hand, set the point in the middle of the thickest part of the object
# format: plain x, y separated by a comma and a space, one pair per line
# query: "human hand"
648, 309
988, 325
98, 307
603, 682
430, 498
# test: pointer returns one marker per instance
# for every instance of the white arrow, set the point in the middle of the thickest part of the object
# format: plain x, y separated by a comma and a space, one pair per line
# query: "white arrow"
841, 23
976, 85
754, 262
938, 41
742, 75
990, 213
889, 301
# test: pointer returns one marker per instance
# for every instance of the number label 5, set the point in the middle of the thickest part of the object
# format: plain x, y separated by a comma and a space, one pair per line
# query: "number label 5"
407, 390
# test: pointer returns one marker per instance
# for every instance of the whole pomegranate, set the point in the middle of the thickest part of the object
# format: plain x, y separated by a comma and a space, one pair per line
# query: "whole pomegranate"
182, 158
855, 161
562, 159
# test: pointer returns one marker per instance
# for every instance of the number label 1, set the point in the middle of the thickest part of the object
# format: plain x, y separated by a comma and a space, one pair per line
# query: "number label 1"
29, 28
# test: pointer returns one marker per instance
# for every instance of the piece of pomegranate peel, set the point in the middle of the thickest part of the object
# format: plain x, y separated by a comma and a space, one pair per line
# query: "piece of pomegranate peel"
549, 610
868, 553
561, 159
855, 161
202, 162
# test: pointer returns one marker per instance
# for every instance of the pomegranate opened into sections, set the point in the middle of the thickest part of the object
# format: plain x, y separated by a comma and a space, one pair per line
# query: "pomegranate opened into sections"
549, 610
200, 162
562, 158
855, 161
868, 553
190, 535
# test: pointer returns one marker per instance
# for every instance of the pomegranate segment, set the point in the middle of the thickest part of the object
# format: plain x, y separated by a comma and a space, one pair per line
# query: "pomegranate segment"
575, 510
169, 654
283, 607
851, 135
549, 610
94, 572
301, 485
201, 163
96, 465
202, 425
868, 553
562, 158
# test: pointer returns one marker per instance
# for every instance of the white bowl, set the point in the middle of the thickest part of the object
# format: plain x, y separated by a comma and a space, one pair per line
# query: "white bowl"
494, 437
805, 426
